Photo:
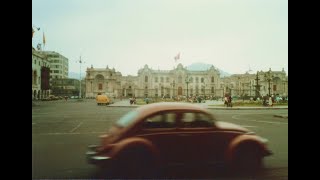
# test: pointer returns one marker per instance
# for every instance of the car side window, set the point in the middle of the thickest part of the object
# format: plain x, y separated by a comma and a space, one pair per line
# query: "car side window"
196, 120
163, 120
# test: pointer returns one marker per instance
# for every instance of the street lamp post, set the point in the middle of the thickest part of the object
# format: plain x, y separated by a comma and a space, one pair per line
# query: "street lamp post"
242, 92
91, 88
173, 85
204, 89
268, 76
80, 62
187, 81
257, 85
239, 89
222, 92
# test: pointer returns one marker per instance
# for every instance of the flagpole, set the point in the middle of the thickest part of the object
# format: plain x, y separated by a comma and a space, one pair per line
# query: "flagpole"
43, 41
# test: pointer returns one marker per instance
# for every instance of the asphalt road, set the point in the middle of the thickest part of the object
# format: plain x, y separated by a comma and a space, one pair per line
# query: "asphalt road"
61, 132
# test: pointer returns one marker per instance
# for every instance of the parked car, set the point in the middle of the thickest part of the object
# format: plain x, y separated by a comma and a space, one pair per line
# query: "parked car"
156, 135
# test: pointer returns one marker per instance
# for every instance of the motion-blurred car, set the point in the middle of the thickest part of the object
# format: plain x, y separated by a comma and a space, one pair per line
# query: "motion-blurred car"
155, 135
103, 100
50, 98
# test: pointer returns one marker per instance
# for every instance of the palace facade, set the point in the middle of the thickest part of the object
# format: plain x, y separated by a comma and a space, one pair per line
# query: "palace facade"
183, 82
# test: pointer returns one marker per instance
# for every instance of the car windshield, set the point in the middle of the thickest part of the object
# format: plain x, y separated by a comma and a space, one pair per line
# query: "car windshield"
127, 119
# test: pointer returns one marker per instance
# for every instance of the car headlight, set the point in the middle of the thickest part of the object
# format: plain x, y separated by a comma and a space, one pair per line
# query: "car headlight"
264, 140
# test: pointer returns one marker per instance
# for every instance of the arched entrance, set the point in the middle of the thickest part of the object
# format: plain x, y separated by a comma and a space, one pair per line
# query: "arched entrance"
179, 90
129, 92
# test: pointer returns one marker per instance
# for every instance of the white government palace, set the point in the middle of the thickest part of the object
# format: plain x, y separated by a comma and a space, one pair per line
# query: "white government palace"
182, 82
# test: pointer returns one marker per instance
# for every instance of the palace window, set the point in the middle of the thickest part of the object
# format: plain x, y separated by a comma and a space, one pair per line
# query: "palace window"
146, 79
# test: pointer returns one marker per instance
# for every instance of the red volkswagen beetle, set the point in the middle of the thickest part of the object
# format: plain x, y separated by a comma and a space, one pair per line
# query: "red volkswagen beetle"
156, 135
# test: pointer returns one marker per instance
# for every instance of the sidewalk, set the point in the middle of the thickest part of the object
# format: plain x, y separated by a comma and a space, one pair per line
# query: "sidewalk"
126, 103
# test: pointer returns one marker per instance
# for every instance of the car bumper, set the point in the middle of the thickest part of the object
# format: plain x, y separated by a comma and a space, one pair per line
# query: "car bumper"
267, 152
93, 158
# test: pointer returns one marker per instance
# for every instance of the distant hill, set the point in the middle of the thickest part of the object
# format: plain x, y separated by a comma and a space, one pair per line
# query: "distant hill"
202, 67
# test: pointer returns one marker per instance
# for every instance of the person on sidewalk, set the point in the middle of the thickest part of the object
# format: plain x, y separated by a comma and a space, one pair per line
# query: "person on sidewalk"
270, 101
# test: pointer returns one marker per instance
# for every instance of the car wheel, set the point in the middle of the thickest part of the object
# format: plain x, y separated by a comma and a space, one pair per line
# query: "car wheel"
135, 163
247, 159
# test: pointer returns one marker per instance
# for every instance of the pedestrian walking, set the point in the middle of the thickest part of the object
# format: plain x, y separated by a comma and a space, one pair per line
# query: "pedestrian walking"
270, 101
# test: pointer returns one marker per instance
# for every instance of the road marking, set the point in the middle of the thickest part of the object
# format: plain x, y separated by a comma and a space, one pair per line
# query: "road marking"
42, 113
76, 127
270, 122
69, 133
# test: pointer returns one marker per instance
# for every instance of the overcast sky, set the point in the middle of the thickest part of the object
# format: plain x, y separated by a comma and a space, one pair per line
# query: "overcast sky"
233, 35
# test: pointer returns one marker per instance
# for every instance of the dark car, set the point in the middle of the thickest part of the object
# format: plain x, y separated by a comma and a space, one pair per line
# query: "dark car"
156, 135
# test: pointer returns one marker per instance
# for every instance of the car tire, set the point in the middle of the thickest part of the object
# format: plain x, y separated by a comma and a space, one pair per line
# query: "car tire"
135, 163
247, 159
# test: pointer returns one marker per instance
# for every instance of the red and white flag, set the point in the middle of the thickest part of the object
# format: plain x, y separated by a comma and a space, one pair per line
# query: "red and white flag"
177, 57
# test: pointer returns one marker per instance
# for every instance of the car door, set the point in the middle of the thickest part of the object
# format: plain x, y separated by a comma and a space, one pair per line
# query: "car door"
199, 137
161, 130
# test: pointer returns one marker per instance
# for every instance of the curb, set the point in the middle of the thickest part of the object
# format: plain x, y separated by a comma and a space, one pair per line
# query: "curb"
221, 108
244, 108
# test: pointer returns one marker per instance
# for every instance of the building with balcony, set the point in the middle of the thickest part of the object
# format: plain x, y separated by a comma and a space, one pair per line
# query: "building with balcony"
59, 65
40, 75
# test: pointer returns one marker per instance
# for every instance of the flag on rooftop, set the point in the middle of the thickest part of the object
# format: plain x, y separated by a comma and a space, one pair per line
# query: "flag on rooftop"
32, 32
177, 57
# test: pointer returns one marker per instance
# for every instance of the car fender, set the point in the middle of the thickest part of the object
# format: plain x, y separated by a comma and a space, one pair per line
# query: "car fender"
135, 142
236, 142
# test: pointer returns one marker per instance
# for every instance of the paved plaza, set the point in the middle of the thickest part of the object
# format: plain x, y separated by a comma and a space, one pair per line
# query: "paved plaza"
62, 130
